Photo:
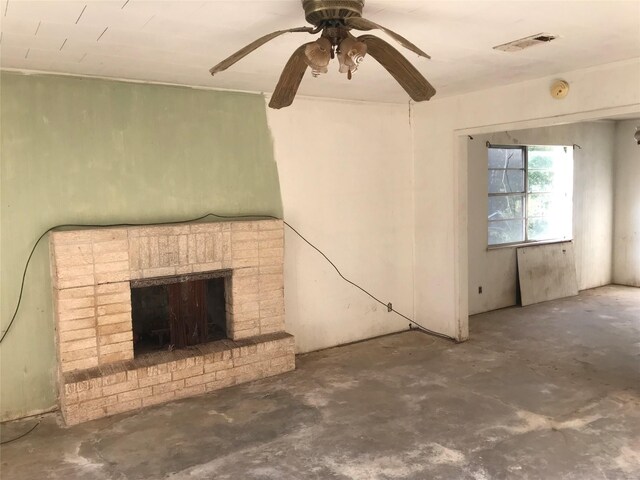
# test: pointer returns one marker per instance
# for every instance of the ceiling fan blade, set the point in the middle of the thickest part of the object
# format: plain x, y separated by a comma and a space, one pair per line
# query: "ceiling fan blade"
360, 23
418, 88
290, 79
243, 52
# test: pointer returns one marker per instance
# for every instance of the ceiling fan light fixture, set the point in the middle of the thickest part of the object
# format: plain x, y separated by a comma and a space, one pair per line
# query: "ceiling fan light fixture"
350, 53
318, 55
334, 20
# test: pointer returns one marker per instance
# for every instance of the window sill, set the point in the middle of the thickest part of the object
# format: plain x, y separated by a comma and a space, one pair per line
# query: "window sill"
527, 244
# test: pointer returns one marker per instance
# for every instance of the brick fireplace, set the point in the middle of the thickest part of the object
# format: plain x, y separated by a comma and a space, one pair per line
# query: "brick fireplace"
94, 270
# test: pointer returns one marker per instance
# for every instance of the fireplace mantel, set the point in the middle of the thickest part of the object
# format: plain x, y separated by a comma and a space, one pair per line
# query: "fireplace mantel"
92, 271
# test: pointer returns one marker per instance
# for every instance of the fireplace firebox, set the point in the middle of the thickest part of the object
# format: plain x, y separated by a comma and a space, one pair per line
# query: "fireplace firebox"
169, 313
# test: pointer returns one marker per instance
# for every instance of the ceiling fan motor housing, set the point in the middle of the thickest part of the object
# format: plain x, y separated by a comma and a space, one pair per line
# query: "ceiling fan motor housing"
318, 11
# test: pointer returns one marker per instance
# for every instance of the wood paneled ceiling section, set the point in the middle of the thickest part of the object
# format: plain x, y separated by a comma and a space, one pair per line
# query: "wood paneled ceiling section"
178, 41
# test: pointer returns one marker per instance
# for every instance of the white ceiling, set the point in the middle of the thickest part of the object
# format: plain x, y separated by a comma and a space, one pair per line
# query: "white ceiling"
178, 41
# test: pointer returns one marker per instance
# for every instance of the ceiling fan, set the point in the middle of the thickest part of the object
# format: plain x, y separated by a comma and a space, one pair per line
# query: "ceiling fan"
336, 19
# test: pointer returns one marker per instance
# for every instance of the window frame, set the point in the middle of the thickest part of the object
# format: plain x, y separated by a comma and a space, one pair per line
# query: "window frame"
525, 199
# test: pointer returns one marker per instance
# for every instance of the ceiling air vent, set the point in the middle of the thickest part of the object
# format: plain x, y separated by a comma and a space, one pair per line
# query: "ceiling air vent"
526, 42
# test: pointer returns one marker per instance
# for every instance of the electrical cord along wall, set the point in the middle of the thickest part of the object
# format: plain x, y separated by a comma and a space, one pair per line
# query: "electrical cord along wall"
26, 266
191, 220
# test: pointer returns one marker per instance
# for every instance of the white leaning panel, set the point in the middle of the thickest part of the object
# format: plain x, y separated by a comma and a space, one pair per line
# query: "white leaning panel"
547, 272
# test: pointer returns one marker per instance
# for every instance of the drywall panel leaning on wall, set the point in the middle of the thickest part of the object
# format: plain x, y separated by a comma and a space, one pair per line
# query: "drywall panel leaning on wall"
547, 272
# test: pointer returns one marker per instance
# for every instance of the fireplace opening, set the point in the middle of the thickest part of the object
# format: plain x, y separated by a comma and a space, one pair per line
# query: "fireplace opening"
178, 312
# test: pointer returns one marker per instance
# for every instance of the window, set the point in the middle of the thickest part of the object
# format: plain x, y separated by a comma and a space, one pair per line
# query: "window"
530, 194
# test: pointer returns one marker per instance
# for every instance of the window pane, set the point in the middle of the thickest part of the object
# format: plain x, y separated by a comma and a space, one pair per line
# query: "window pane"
545, 228
541, 180
546, 156
506, 231
550, 216
543, 204
506, 181
506, 158
503, 207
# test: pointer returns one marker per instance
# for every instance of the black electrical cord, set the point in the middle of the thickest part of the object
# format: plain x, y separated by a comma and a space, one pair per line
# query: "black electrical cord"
20, 436
68, 225
424, 329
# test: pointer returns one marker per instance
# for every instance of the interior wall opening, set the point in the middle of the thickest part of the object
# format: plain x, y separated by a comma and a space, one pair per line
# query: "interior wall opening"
492, 274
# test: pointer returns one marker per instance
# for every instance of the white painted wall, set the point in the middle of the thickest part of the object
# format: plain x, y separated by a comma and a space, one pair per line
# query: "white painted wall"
346, 174
346, 179
441, 274
626, 238
495, 270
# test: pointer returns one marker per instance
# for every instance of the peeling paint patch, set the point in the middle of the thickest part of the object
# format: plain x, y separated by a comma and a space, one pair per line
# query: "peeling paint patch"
480, 475
376, 468
223, 415
344, 385
82, 462
533, 422
529, 422
629, 459
317, 399
576, 423
388, 467
430, 381
442, 455
266, 473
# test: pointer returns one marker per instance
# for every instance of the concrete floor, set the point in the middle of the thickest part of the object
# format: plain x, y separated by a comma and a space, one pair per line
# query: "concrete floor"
550, 391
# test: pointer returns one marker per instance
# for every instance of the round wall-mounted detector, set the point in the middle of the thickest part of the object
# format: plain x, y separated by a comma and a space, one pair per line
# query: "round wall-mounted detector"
559, 89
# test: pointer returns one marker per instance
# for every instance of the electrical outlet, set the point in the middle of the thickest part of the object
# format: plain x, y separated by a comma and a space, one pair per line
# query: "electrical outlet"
479, 289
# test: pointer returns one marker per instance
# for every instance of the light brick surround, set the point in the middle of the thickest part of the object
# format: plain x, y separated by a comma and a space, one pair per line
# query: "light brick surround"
92, 270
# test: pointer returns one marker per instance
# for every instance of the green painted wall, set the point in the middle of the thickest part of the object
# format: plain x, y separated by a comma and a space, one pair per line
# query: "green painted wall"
77, 150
